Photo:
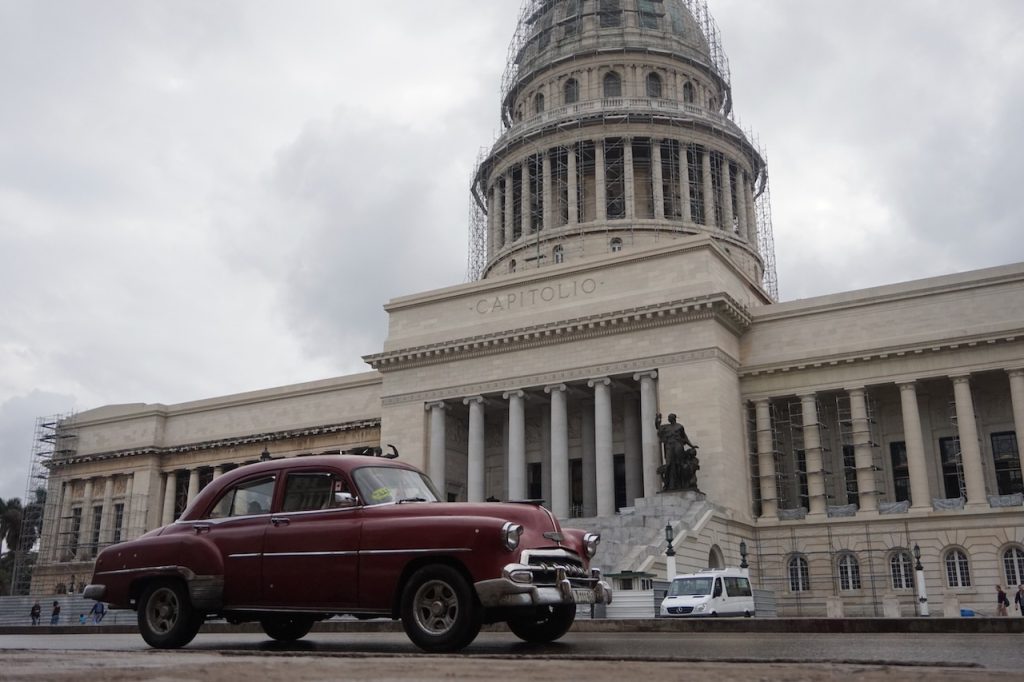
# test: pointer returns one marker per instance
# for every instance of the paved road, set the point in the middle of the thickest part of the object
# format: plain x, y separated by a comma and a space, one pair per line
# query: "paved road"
900, 656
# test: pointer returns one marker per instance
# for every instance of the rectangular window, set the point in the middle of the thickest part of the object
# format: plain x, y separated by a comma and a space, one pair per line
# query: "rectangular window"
619, 473
573, 14
1006, 458
610, 13
118, 522
97, 523
737, 587
850, 475
76, 529
649, 13
576, 486
900, 470
534, 480
615, 179
952, 468
801, 472
308, 492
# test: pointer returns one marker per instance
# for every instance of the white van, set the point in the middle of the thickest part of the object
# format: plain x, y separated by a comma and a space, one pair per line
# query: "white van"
712, 592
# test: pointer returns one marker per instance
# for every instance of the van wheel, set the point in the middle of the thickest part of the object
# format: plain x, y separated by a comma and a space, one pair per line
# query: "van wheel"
748, 614
167, 619
439, 610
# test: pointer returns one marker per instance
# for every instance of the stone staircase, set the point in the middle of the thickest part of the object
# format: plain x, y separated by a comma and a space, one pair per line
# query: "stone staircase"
634, 539
14, 611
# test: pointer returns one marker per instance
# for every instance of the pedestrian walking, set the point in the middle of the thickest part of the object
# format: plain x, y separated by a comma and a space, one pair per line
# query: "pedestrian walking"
1001, 601
36, 612
55, 614
97, 612
1018, 599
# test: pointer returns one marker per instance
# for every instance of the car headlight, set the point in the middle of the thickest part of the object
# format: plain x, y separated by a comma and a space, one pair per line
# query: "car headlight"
590, 543
510, 534
701, 607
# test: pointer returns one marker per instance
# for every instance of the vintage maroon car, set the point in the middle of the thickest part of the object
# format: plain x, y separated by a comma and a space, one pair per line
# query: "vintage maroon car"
289, 542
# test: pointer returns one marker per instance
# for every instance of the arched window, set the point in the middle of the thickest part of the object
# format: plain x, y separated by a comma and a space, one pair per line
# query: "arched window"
958, 573
901, 569
1013, 566
715, 557
688, 92
558, 254
612, 85
512, 265
849, 572
572, 91
654, 85
538, 103
616, 245
799, 577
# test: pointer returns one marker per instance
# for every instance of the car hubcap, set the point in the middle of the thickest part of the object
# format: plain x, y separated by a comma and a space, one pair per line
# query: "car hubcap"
163, 610
437, 607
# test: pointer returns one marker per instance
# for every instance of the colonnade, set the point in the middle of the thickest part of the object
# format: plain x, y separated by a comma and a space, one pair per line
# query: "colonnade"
918, 465
706, 187
640, 440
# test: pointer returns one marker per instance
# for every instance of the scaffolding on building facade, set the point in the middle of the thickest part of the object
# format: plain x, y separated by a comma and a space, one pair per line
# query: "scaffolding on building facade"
50, 441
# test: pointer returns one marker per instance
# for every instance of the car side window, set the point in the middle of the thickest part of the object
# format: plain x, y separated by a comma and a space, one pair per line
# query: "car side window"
737, 587
248, 498
308, 491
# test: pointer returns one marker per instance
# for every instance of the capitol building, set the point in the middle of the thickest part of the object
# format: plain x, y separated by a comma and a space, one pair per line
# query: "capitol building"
622, 266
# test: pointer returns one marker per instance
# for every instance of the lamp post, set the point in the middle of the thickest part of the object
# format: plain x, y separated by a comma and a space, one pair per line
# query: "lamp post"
922, 589
670, 554
743, 558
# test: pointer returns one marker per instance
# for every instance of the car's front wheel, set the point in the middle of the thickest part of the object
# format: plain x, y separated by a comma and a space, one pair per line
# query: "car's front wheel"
287, 628
167, 619
439, 611
545, 625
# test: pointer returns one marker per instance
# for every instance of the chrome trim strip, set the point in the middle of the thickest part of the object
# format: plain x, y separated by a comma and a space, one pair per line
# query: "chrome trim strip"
301, 554
255, 555
121, 571
434, 550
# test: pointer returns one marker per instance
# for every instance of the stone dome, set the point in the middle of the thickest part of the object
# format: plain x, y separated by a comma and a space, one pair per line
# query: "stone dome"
550, 32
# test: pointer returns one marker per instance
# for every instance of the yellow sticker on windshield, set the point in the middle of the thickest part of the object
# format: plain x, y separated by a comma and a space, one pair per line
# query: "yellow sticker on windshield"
381, 494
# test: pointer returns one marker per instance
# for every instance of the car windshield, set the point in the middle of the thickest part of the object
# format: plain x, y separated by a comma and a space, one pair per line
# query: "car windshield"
690, 586
383, 485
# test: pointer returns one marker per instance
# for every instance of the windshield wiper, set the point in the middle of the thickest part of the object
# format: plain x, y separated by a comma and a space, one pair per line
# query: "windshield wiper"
412, 499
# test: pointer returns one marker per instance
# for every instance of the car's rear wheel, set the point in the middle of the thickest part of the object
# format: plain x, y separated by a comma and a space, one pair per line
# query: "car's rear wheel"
545, 625
287, 627
439, 610
167, 619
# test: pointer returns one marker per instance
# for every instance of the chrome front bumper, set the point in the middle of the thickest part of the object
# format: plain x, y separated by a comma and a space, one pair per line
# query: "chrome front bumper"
505, 592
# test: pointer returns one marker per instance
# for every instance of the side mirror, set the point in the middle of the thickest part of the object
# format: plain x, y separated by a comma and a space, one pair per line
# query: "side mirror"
344, 500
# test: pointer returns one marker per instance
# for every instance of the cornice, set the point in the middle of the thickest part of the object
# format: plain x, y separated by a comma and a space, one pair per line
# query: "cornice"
720, 307
568, 376
269, 437
886, 353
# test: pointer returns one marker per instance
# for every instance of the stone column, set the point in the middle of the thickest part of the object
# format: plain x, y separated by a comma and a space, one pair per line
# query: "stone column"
573, 187
650, 444
1017, 397
589, 462
560, 501
709, 189
59, 544
862, 454
970, 450
684, 182
629, 178
917, 468
85, 530
658, 180
494, 227
600, 186
516, 445
526, 199
547, 221
603, 446
476, 483
218, 471
812, 455
438, 460
633, 449
170, 492
193, 485
510, 207
727, 211
128, 525
108, 511
741, 203
766, 459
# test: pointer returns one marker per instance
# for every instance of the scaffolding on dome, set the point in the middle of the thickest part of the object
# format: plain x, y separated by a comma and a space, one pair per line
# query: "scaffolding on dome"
51, 440
531, 10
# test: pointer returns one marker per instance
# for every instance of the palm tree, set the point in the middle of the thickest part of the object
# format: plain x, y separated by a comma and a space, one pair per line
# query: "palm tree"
11, 514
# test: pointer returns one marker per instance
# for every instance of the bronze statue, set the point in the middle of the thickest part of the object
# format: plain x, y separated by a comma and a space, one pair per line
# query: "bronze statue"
679, 470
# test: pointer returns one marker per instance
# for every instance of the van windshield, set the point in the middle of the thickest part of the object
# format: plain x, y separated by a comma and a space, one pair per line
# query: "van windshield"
690, 586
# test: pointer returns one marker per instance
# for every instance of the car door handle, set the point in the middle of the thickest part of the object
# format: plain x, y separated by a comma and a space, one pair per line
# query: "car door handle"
201, 528
279, 521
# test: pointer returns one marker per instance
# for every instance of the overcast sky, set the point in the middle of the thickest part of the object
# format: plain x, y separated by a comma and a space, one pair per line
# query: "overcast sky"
202, 197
